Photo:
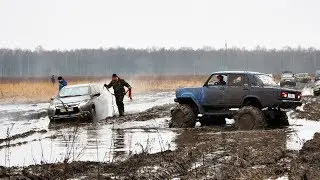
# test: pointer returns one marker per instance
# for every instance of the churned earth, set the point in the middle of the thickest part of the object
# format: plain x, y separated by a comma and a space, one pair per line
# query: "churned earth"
141, 146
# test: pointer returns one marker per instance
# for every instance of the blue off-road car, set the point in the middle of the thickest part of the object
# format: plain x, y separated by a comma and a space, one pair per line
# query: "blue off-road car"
252, 99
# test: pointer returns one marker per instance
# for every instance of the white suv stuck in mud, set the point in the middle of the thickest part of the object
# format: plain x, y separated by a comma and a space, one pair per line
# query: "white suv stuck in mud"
84, 102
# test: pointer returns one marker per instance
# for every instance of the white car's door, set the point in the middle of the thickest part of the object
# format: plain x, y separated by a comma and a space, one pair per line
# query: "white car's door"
104, 103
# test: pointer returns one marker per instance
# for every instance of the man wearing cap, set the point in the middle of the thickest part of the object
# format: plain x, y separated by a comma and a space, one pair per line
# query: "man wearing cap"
220, 80
118, 85
62, 82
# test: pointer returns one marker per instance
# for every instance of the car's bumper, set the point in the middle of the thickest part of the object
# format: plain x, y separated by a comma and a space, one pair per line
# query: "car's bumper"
303, 80
288, 83
288, 104
83, 115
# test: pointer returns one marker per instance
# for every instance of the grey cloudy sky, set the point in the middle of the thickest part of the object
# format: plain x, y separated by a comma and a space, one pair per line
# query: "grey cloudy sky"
69, 24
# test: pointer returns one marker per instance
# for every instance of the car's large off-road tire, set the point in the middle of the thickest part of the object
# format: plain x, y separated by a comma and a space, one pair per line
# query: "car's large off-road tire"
212, 120
183, 116
249, 118
276, 118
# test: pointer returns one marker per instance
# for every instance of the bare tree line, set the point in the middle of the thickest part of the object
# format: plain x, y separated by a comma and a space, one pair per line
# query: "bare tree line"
100, 62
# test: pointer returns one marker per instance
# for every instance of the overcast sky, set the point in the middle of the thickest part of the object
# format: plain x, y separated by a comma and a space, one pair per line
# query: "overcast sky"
70, 24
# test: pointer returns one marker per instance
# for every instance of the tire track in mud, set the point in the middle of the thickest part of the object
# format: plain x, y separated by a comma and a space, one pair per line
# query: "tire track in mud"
152, 113
22, 135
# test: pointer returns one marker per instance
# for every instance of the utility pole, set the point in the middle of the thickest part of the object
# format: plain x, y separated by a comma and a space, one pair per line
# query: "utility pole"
28, 65
226, 56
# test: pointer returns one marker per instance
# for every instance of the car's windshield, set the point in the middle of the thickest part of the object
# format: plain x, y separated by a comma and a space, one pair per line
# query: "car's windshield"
70, 91
266, 80
287, 75
302, 75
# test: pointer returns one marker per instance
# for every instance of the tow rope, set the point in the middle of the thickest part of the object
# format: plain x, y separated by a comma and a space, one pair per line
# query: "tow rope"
128, 91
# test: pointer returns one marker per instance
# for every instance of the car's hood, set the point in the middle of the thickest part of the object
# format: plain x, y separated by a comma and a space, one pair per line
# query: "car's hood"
287, 78
68, 100
194, 92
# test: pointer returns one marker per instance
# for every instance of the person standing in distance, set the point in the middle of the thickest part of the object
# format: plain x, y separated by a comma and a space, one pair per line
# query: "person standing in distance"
62, 82
118, 85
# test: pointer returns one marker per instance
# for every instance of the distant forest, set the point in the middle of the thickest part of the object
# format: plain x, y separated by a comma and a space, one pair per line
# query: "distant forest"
101, 62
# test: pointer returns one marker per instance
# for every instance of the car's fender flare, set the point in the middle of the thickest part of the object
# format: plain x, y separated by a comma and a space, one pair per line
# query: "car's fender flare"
252, 96
190, 97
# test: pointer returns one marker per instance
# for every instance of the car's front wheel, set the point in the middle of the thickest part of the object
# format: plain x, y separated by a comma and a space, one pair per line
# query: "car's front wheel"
182, 116
249, 118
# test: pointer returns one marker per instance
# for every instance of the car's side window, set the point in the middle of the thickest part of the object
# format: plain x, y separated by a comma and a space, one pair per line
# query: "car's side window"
237, 80
94, 89
218, 80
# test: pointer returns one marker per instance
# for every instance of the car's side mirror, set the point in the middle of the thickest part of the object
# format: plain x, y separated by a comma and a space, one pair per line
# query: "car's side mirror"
96, 95
52, 98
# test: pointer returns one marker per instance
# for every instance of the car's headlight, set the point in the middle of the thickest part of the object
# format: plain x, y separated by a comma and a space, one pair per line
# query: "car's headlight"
85, 102
52, 106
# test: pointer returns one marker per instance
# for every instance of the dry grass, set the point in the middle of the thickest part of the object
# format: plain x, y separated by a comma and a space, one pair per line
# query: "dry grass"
42, 90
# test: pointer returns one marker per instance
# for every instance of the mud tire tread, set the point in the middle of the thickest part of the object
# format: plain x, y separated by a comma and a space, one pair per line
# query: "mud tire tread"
280, 119
182, 116
259, 121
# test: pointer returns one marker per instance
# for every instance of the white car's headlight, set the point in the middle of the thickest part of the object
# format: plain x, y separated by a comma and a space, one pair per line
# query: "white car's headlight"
83, 103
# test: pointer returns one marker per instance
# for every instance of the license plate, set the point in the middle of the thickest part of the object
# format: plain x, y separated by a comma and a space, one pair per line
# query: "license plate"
292, 96
64, 109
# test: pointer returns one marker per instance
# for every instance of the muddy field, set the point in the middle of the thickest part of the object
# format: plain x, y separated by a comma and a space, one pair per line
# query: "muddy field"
141, 146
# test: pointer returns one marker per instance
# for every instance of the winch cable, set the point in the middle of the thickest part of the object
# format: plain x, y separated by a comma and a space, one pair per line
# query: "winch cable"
65, 107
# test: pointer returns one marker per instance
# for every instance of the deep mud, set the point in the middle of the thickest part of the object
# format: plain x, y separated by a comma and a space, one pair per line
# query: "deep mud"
152, 113
309, 109
307, 165
199, 153
204, 153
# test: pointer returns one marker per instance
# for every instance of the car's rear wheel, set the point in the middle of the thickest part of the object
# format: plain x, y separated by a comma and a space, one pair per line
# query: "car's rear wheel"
182, 116
249, 118
276, 118
212, 120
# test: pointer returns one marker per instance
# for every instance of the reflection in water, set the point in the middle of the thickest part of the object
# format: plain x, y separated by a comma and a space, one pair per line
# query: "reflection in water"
118, 146
92, 142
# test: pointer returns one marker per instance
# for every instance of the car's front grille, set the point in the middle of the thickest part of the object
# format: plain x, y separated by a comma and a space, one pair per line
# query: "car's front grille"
70, 110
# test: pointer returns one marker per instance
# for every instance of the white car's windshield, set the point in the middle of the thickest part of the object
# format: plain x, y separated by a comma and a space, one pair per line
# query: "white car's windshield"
302, 75
287, 75
266, 80
74, 91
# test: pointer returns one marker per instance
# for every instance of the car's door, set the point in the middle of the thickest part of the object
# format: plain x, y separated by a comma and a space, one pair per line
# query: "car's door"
213, 93
236, 89
96, 99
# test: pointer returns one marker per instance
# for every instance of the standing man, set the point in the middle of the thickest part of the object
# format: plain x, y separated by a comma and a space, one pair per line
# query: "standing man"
118, 85
53, 80
62, 83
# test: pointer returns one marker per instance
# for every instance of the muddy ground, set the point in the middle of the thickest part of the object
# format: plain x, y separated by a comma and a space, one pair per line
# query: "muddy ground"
309, 109
200, 153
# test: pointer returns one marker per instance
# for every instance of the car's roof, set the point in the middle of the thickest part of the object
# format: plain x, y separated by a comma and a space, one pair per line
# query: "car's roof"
79, 85
237, 72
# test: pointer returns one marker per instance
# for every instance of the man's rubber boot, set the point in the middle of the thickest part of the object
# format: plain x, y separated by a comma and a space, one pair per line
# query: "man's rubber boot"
121, 113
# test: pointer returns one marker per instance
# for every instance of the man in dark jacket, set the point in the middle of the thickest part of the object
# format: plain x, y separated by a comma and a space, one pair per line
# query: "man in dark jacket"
62, 83
118, 85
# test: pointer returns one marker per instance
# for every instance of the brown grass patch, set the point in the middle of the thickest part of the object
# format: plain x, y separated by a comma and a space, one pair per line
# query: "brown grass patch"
41, 90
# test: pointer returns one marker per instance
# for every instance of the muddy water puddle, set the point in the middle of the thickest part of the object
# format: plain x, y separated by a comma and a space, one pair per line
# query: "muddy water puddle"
34, 140
93, 142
